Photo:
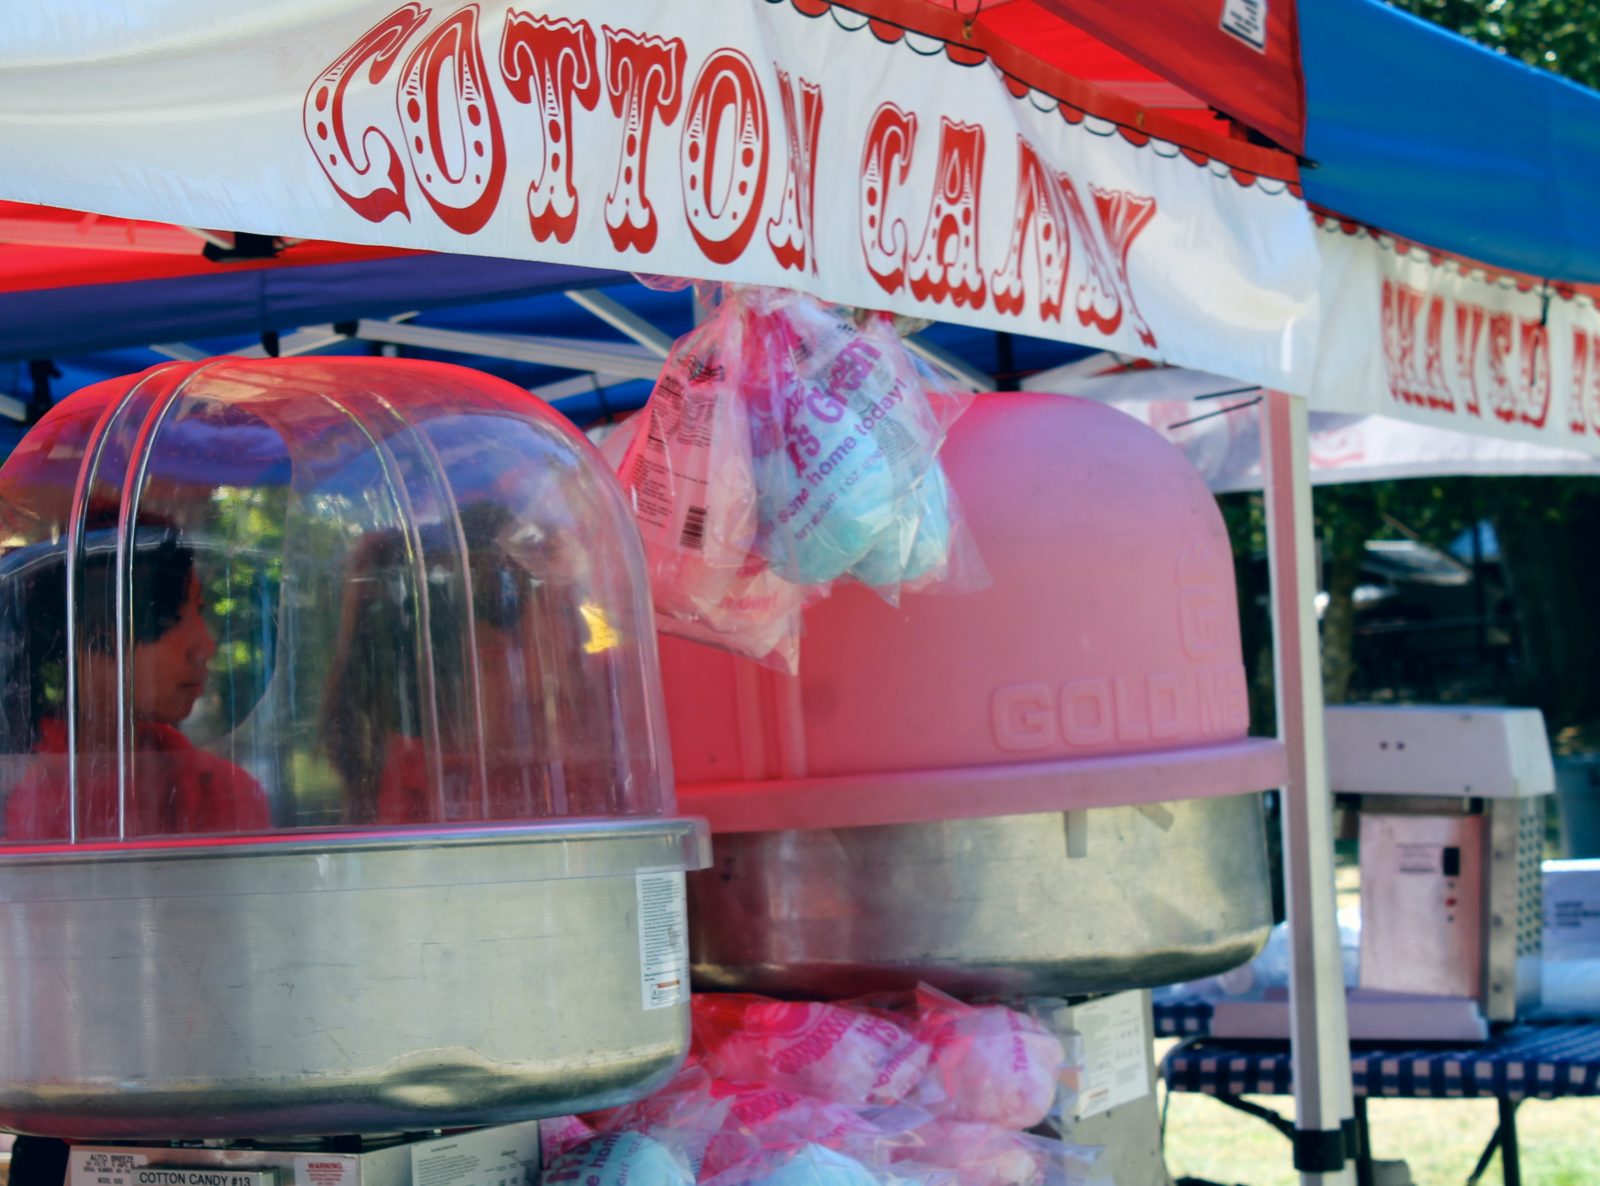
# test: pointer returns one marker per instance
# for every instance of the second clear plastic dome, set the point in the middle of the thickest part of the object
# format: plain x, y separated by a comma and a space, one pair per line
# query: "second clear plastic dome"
245, 596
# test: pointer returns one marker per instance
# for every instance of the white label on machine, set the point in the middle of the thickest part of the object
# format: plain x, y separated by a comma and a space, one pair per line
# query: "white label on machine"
1116, 1053
98, 1167
1420, 858
157, 1175
663, 939
490, 1157
326, 1169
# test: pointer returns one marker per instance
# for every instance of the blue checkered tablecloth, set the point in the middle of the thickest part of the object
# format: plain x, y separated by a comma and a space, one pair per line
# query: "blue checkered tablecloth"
1539, 1061
1182, 1017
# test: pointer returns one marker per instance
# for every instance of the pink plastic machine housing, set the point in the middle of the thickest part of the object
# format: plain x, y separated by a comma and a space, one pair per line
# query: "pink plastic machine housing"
1040, 786
334, 773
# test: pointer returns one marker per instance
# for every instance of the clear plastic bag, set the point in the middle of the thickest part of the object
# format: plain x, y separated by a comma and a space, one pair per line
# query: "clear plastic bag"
990, 1064
832, 1052
617, 1159
786, 447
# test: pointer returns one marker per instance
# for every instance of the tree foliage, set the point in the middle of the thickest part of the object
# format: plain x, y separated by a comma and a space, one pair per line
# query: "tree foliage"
1558, 35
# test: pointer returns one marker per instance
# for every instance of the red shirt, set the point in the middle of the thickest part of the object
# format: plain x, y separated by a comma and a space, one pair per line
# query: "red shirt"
177, 790
406, 792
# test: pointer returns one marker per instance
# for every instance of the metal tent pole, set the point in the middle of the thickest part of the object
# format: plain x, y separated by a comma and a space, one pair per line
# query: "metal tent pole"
1319, 1031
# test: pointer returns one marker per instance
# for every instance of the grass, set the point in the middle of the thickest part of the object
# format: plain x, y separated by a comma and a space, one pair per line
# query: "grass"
1440, 1140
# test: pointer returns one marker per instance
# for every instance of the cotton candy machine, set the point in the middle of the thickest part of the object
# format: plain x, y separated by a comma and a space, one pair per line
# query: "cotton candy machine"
1042, 787
336, 788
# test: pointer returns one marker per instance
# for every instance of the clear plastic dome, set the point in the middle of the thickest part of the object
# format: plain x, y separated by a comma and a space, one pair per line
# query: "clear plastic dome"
241, 596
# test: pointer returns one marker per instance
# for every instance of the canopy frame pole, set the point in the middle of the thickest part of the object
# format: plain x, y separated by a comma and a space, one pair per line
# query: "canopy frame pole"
1319, 1030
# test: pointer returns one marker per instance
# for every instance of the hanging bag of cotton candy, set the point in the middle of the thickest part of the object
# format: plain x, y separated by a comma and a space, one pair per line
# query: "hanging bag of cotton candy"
686, 467
851, 483
927, 546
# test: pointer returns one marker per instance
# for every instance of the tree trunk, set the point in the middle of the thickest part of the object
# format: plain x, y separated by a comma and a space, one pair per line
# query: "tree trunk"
1348, 516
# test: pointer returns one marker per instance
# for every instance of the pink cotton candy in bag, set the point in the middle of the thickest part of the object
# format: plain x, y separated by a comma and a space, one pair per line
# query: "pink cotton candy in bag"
989, 1063
976, 1154
829, 1051
558, 1134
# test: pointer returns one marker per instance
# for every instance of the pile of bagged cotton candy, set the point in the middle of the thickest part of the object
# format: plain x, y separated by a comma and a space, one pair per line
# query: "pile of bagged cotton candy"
788, 445
910, 1091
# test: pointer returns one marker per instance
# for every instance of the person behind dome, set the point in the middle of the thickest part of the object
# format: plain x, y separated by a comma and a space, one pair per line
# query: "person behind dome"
174, 788
454, 707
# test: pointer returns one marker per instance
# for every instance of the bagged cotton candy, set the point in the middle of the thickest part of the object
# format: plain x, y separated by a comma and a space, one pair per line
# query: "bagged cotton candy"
832, 1052
855, 434
977, 1154
785, 447
805, 1165
696, 522
686, 1117
618, 1159
559, 1134
989, 1063
920, 547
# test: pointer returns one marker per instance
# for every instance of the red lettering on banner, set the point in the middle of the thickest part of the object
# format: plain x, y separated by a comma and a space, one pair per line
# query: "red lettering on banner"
1502, 396
1535, 385
452, 129
364, 168
945, 267
1508, 368
549, 62
1435, 386
885, 162
1413, 340
1041, 220
1122, 216
725, 89
644, 76
792, 234
1585, 382
1469, 333
1402, 306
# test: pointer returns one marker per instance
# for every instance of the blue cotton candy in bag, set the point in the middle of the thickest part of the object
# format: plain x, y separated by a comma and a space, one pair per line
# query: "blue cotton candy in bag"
817, 1165
856, 440
619, 1159
921, 548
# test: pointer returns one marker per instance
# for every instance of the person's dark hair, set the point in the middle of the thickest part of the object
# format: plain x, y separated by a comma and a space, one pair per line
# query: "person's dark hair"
33, 611
374, 686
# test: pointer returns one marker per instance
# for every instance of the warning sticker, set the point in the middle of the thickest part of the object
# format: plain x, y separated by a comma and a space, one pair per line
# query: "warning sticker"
1116, 1053
663, 939
325, 1170
1246, 20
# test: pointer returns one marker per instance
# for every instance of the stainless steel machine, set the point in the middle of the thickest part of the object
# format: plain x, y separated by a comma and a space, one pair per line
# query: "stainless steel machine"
337, 803
1044, 786
1448, 805
1451, 806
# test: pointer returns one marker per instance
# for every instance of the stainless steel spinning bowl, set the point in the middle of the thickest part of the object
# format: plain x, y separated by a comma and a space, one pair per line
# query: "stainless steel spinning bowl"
339, 986
1109, 898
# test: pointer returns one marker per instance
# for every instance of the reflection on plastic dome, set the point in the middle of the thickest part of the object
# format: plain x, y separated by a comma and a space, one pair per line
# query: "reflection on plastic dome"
307, 593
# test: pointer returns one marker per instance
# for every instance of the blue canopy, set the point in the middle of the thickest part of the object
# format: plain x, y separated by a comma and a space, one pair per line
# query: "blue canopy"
1424, 134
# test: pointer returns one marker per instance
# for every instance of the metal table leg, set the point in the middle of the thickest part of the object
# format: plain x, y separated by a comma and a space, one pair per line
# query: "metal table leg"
1363, 1143
1510, 1157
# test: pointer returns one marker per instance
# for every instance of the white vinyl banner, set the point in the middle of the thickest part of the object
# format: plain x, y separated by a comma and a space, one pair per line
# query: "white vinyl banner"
1411, 334
779, 142
1225, 446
